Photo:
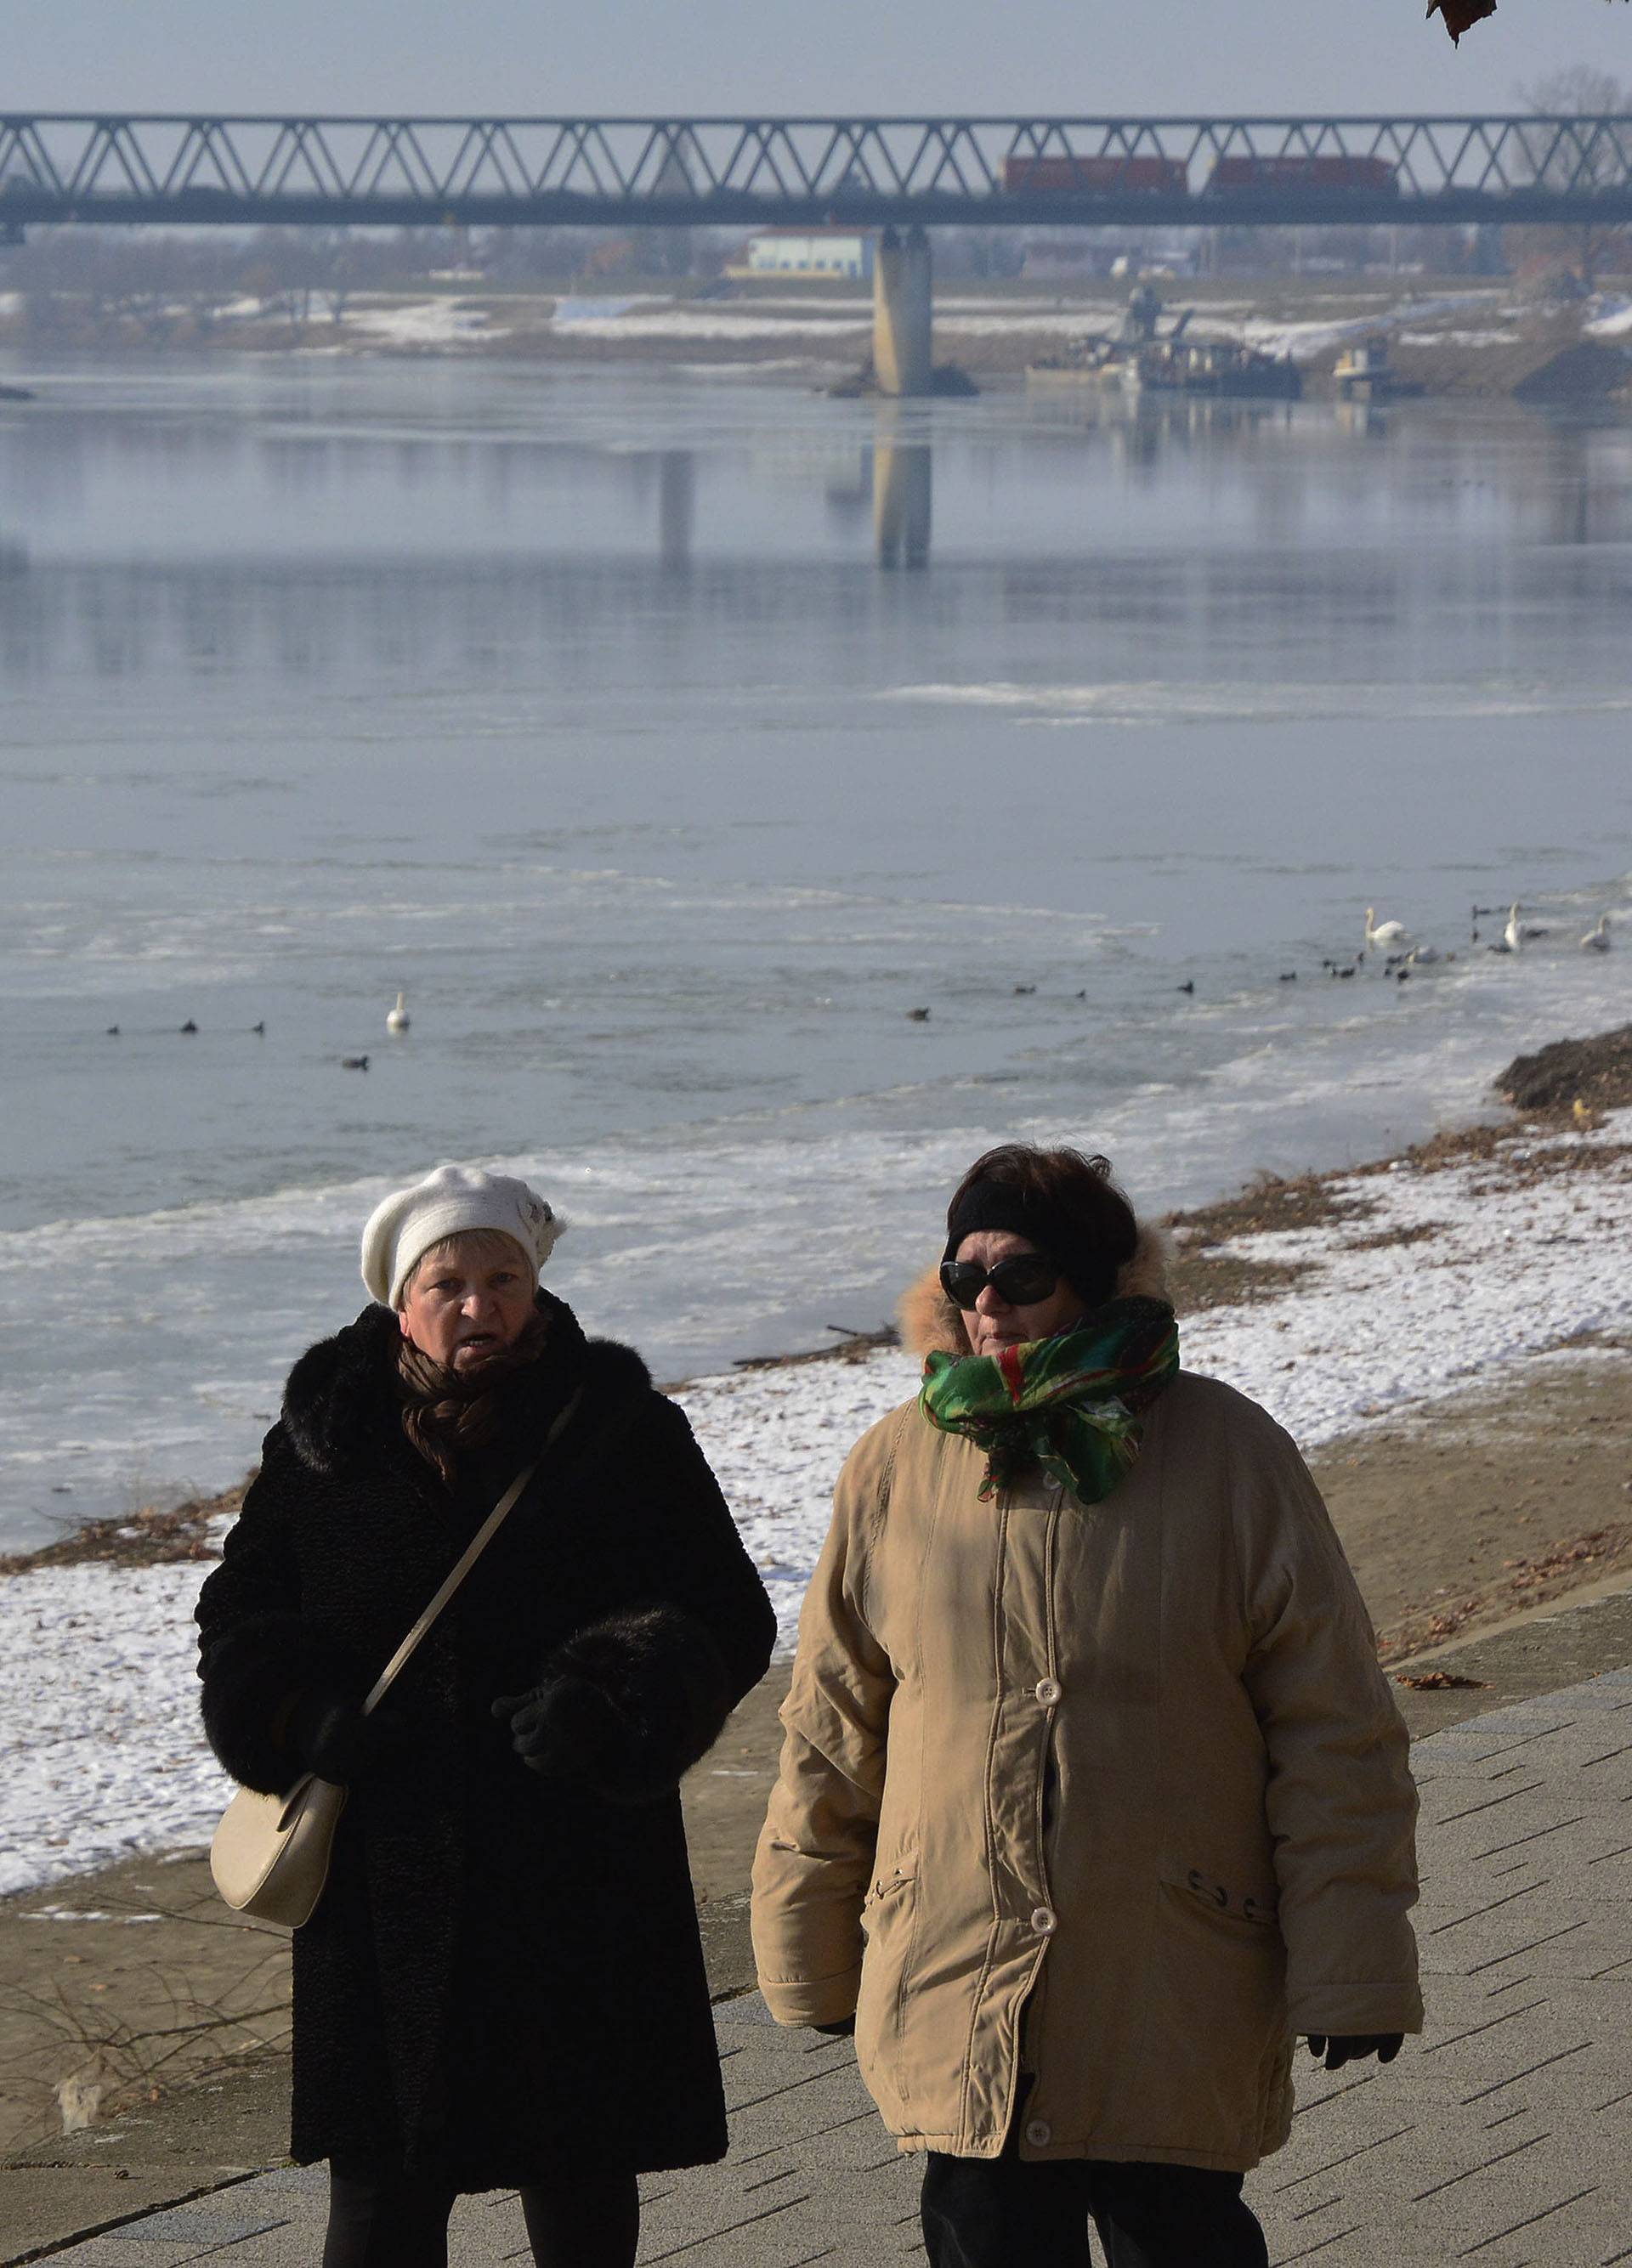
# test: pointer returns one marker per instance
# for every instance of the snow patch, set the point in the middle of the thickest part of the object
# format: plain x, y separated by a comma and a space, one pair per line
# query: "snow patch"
1613, 320
422, 323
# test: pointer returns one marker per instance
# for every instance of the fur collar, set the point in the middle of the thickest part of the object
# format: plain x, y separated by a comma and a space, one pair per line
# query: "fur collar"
930, 1324
340, 1404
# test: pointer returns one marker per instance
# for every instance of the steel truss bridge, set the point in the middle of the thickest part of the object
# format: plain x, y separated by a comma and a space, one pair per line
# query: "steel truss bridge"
758, 171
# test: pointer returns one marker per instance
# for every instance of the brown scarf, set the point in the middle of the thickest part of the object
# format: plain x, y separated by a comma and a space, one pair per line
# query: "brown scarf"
446, 1412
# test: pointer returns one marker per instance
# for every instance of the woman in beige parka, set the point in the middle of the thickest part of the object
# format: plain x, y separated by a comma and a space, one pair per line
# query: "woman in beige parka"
1092, 1796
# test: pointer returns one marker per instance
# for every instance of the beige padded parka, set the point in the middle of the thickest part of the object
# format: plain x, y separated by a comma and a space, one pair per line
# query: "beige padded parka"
1128, 1769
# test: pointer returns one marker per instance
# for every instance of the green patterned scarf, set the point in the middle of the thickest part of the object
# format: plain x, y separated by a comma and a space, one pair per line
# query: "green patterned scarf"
1075, 1402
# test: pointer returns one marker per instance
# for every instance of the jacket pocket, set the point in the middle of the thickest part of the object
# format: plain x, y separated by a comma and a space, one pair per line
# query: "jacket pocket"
890, 1886
890, 1921
1213, 2055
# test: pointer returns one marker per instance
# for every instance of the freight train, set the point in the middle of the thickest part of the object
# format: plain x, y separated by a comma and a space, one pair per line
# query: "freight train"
1080, 176
1324, 177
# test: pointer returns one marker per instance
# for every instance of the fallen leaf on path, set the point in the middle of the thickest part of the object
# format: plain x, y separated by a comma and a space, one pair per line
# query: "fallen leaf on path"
1440, 1681
1461, 15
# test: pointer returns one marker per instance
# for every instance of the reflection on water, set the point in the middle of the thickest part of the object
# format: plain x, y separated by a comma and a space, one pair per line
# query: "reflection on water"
634, 727
629, 540
901, 491
1281, 613
676, 510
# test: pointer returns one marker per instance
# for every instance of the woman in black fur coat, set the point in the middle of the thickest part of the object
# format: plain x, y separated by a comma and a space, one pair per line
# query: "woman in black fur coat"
502, 1985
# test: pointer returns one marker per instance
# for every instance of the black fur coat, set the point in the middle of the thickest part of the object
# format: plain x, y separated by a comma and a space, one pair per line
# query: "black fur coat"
503, 1976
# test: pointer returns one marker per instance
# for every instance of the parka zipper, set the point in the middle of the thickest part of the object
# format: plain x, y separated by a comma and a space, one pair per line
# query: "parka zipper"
1048, 1787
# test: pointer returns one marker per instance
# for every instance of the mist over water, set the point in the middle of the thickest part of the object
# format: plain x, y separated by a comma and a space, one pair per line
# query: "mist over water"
665, 740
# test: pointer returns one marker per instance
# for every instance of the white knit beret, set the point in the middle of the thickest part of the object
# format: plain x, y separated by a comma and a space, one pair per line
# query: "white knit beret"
447, 1202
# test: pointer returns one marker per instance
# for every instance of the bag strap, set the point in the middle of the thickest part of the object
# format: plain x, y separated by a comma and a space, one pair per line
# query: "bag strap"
467, 1560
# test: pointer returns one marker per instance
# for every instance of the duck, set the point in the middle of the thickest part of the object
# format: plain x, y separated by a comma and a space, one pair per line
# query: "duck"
918, 1015
1513, 935
354, 1063
189, 1030
1384, 933
398, 1019
1596, 940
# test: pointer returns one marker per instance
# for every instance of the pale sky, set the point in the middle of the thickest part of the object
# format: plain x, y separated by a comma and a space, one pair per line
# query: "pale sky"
973, 56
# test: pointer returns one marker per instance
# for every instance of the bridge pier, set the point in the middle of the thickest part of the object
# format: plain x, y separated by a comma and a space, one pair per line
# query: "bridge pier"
903, 360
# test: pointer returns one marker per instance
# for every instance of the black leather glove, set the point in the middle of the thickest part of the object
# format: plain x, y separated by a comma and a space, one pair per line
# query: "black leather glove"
331, 1736
844, 2030
1351, 2047
565, 1728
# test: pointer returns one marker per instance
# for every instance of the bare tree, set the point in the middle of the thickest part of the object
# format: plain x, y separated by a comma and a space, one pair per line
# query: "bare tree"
1594, 155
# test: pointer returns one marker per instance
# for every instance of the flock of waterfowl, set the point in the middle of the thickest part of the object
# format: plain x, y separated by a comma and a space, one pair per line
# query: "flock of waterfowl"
1403, 955
398, 1020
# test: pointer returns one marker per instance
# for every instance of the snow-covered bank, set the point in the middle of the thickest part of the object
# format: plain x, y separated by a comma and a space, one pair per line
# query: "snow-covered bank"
1423, 1278
1432, 1278
991, 328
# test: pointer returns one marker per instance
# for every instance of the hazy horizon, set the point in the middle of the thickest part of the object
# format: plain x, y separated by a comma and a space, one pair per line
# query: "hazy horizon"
724, 57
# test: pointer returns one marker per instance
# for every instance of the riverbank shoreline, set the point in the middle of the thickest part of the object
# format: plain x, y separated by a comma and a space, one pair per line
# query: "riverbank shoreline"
1244, 1250
1487, 1515
1458, 337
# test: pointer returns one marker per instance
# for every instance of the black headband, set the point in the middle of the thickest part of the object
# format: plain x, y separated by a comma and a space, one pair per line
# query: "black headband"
1023, 1212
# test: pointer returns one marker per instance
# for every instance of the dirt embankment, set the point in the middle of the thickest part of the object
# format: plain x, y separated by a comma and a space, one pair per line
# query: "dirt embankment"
1595, 1073
1520, 1492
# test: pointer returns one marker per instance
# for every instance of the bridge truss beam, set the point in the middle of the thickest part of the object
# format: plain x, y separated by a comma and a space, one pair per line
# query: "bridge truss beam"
745, 172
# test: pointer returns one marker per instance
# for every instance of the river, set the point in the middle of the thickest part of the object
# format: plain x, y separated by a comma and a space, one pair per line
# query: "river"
667, 738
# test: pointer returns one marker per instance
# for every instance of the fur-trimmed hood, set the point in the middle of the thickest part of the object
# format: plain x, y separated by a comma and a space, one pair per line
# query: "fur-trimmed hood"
341, 1401
930, 1324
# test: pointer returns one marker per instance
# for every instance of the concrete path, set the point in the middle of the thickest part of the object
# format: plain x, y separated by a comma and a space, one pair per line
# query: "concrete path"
1502, 2138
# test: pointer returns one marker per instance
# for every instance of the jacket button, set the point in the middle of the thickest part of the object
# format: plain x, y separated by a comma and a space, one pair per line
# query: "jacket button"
1048, 1690
1039, 2133
1042, 1919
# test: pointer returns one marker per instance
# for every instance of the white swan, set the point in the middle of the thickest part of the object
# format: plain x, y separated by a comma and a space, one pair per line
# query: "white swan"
1388, 933
1596, 940
1424, 956
1514, 932
398, 1019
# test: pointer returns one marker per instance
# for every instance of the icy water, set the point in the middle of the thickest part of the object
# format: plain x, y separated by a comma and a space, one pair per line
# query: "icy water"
667, 738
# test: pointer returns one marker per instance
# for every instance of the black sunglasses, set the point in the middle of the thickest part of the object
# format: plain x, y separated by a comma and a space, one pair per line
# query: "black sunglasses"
1019, 1281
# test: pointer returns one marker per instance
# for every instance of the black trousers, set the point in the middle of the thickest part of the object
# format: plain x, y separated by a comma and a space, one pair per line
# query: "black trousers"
999, 2213
380, 2217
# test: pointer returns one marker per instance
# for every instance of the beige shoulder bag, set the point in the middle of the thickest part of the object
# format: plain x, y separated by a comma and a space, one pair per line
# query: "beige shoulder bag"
270, 1854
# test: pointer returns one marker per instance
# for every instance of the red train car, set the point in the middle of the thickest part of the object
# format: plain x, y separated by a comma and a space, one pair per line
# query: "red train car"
1289, 176
1086, 176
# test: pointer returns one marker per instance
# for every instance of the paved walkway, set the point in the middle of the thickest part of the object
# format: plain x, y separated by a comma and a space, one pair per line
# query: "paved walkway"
1501, 2138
